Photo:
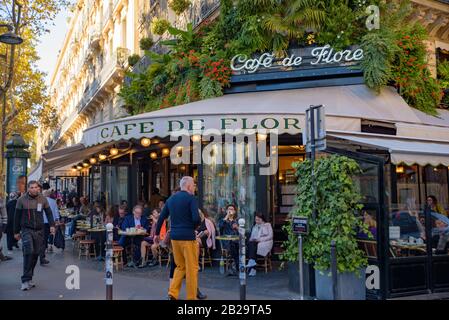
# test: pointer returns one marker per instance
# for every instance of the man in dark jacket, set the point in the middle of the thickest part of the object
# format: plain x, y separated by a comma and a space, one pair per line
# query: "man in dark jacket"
182, 208
29, 226
136, 220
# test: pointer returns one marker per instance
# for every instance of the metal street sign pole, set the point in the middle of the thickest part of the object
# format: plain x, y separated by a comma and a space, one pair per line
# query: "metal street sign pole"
300, 227
109, 266
301, 271
242, 251
312, 159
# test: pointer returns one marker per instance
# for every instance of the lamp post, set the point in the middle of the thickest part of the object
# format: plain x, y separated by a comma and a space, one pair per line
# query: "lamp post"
10, 38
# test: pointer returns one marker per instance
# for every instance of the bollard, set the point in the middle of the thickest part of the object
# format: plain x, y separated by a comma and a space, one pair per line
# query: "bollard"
334, 270
109, 266
242, 262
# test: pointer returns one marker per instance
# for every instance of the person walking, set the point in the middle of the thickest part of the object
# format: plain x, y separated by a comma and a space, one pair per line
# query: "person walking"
11, 208
29, 226
3, 224
55, 212
182, 208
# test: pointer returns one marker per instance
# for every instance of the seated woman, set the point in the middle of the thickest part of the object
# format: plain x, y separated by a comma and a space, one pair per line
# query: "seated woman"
205, 234
151, 240
372, 227
260, 243
229, 227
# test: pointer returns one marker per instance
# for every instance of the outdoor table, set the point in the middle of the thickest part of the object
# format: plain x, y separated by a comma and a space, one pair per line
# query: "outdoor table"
132, 234
407, 246
99, 235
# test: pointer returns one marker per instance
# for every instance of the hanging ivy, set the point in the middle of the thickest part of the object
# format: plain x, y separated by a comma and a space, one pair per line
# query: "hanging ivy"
337, 204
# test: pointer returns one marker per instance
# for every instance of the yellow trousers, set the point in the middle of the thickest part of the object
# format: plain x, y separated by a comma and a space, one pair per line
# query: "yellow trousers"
186, 259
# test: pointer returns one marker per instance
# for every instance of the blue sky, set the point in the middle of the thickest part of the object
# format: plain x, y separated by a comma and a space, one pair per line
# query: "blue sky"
51, 43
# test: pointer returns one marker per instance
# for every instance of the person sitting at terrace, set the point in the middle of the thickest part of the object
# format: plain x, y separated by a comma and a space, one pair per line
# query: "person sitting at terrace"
228, 226
260, 243
151, 241
206, 231
134, 221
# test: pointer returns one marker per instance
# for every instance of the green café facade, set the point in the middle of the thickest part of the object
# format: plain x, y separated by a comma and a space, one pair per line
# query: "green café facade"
403, 152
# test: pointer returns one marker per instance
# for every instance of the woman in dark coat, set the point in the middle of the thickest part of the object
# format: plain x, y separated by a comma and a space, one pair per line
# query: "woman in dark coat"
10, 209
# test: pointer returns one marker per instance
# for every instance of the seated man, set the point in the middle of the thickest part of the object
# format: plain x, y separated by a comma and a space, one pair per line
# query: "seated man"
118, 221
151, 241
260, 243
136, 220
228, 226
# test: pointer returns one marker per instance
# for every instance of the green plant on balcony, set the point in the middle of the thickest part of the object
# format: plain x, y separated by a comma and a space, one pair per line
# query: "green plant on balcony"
179, 6
159, 25
146, 44
133, 60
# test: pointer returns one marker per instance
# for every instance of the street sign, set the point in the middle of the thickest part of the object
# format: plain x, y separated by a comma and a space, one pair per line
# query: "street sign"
315, 120
300, 225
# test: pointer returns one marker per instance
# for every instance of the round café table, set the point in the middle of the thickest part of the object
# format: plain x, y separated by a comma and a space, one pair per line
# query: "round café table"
99, 235
132, 234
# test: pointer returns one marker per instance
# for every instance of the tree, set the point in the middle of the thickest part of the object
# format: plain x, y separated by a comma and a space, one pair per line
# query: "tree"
23, 96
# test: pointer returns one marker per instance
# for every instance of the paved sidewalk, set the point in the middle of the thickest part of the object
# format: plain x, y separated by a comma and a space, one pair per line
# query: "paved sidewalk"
130, 284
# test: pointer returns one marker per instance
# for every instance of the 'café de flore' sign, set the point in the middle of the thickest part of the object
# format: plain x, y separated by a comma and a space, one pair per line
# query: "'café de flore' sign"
319, 56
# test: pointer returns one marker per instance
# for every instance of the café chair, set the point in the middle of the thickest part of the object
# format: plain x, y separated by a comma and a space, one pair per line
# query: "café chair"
265, 262
205, 257
117, 257
77, 237
164, 255
227, 258
87, 249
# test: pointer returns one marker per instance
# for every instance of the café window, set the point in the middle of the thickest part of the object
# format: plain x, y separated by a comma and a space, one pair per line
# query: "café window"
406, 216
229, 184
436, 184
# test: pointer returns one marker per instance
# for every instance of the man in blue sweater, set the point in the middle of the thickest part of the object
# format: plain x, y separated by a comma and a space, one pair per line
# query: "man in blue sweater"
182, 208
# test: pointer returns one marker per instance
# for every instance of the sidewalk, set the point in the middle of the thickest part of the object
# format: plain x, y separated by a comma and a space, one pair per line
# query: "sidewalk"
130, 284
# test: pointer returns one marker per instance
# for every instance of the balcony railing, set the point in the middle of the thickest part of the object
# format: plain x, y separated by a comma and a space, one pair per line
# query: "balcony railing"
118, 61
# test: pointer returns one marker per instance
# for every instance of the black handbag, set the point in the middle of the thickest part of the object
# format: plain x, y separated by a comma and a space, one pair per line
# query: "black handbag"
59, 240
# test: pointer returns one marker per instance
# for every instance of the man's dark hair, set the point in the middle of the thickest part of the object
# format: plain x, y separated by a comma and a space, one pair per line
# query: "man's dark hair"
231, 205
45, 186
33, 182
156, 191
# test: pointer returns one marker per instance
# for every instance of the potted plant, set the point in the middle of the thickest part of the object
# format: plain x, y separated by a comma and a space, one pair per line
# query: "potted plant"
337, 204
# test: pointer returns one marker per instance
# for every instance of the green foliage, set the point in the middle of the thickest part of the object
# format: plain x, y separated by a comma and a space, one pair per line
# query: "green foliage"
159, 26
179, 6
379, 50
443, 74
133, 59
209, 88
410, 72
443, 77
337, 203
146, 44
253, 26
